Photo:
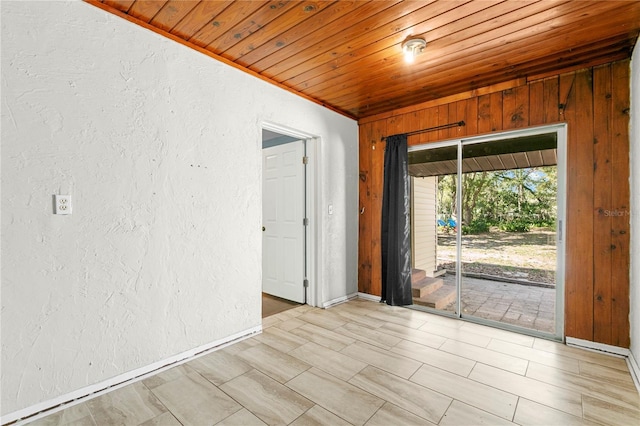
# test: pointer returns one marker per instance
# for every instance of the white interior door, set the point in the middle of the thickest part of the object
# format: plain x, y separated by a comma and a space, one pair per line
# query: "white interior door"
282, 221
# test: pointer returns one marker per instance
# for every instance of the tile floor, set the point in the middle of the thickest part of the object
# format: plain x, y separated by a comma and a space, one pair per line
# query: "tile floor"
368, 363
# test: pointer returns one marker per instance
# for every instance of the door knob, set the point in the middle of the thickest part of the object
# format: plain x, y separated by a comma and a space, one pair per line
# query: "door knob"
264, 229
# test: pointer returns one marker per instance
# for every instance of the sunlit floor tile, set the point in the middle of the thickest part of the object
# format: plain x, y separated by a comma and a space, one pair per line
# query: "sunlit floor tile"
581, 354
535, 355
608, 413
585, 385
413, 335
486, 356
531, 413
458, 334
609, 375
484, 397
384, 313
496, 333
385, 360
437, 358
550, 395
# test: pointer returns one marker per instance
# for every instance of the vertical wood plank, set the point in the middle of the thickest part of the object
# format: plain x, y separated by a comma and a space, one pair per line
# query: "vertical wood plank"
496, 111
462, 115
581, 212
432, 120
551, 100
621, 202
509, 108
412, 121
484, 114
471, 119
522, 107
572, 312
364, 195
564, 92
602, 221
396, 125
376, 177
453, 118
536, 103
423, 119
443, 118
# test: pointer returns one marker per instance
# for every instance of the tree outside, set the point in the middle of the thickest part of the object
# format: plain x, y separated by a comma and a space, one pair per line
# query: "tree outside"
512, 200
508, 222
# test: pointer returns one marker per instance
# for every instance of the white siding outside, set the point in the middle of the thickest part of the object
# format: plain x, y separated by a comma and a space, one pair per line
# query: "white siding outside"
423, 223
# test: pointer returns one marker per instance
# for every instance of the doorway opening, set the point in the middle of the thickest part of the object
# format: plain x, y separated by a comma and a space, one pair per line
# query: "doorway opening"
487, 221
288, 254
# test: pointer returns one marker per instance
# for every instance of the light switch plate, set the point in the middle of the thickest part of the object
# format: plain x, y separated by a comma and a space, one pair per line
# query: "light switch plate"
62, 204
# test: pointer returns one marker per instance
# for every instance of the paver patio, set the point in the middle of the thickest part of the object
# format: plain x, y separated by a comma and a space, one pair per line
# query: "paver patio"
521, 305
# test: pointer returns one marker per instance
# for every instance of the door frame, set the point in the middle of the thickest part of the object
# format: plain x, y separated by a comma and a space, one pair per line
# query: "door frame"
561, 131
313, 293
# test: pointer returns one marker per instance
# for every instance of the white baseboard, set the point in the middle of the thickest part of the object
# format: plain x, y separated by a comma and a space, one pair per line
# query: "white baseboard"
339, 300
368, 296
84, 394
634, 368
598, 347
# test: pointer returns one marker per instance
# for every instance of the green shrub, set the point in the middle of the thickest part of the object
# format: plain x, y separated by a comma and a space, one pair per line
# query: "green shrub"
515, 225
477, 226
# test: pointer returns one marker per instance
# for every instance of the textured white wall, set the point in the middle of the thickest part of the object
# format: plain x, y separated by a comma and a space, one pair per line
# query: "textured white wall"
634, 316
159, 147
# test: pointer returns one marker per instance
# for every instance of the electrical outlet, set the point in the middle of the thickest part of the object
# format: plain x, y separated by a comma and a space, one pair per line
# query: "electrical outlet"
62, 204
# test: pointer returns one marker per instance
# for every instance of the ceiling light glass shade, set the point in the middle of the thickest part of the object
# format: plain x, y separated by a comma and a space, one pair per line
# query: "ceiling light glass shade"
412, 48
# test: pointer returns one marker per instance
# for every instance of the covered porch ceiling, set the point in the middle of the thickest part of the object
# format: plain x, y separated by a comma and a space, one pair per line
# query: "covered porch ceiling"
516, 153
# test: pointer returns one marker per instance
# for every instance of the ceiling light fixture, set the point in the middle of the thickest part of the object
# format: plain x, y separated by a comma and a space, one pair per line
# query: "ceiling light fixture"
412, 47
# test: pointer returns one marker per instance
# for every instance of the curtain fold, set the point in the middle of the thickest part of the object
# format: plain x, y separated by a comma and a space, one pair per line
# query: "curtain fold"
396, 231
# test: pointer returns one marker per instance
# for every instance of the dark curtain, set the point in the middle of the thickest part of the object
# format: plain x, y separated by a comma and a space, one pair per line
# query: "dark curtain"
396, 232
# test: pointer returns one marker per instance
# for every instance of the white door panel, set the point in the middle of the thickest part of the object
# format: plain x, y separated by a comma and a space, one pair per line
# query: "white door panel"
282, 216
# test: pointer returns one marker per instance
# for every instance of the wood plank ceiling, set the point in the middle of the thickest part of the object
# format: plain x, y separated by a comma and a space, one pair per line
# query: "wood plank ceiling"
347, 55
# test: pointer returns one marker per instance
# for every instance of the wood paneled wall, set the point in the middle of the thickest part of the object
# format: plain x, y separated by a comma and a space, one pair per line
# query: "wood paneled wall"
595, 104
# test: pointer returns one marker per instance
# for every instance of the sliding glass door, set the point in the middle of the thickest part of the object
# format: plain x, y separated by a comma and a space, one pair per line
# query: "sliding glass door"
497, 216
